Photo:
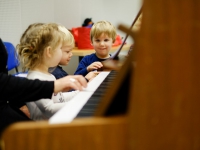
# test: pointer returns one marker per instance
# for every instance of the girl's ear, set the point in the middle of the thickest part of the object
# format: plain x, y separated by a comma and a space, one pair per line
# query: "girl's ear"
48, 51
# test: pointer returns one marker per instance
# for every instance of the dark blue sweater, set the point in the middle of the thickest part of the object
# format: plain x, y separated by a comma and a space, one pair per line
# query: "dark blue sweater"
85, 62
58, 72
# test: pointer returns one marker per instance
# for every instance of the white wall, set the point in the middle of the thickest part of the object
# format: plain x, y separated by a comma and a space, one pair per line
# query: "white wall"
16, 15
73, 13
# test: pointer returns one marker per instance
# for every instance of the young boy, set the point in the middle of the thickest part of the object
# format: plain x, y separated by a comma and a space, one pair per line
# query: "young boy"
102, 36
68, 45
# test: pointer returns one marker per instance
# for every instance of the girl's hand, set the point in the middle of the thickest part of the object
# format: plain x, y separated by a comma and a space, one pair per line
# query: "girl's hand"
76, 82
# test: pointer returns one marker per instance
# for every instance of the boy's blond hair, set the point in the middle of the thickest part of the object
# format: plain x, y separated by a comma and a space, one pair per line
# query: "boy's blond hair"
103, 27
68, 38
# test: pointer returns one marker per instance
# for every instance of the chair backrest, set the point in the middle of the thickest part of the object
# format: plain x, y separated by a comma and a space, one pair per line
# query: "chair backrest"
3, 58
13, 61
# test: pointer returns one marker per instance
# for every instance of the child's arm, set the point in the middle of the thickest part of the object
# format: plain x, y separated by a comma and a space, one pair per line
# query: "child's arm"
91, 75
82, 68
88, 61
81, 71
69, 95
94, 66
48, 107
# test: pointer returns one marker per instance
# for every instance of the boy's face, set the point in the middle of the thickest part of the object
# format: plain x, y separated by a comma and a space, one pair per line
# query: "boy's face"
102, 45
66, 54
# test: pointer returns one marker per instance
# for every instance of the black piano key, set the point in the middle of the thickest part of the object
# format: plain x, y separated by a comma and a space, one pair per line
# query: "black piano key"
92, 103
85, 114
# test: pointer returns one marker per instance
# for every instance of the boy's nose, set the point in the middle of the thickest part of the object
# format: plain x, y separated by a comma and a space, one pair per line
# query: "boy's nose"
102, 43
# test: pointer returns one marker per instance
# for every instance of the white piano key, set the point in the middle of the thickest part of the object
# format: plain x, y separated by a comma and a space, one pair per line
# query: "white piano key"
94, 84
68, 112
71, 109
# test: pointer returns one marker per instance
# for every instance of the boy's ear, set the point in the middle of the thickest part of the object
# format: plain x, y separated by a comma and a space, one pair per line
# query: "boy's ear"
48, 51
114, 40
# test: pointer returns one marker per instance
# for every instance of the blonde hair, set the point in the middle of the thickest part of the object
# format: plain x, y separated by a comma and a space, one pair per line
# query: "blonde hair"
68, 37
66, 34
29, 30
103, 27
33, 43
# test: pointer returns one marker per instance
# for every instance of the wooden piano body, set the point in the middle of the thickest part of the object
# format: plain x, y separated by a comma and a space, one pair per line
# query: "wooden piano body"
162, 105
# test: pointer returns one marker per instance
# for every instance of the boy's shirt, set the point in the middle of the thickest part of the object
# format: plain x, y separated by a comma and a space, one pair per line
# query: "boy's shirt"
85, 62
58, 72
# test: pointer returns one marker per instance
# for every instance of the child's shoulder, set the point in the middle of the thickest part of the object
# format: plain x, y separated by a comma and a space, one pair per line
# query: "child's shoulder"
89, 56
40, 76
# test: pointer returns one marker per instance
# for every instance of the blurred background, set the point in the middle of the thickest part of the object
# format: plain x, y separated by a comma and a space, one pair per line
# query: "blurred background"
17, 15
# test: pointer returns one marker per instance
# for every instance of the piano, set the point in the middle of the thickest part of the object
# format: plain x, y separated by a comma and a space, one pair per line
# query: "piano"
85, 102
160, 109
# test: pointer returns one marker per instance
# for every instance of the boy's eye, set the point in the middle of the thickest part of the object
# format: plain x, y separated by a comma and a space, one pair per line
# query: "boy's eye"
106, 40
97, 40
68, 52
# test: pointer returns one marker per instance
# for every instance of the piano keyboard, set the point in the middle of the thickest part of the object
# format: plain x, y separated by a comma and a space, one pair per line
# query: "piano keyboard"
85, 102
93, 102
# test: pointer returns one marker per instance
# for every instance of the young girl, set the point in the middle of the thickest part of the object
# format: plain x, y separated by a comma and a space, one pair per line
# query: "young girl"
102, 36
39, 49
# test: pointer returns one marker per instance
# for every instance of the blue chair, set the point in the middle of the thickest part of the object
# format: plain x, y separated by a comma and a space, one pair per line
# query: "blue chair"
13, 61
